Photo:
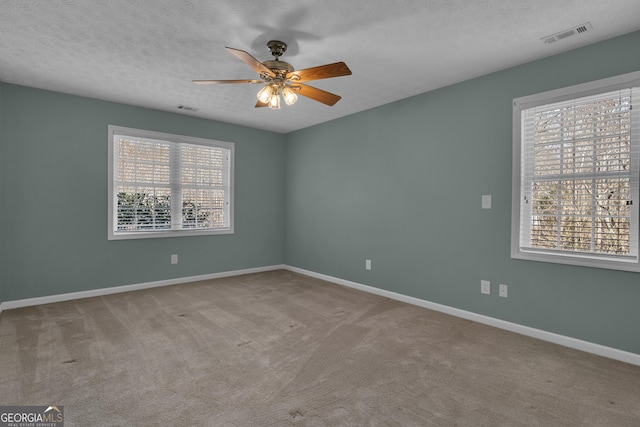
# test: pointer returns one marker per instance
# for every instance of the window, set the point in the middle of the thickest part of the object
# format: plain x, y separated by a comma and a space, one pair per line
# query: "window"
575, 175
163, 185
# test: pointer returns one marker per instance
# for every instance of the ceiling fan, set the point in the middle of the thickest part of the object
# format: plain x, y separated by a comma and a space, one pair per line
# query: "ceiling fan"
280, 78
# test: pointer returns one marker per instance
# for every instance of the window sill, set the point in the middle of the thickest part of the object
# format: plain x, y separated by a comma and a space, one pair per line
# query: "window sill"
630, 264
166, 233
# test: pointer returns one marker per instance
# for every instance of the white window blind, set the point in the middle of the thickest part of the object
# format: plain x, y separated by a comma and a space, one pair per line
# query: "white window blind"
166, 185
578, 194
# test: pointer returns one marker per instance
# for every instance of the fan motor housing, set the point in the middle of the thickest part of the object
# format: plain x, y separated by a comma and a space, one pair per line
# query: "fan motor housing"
279, 66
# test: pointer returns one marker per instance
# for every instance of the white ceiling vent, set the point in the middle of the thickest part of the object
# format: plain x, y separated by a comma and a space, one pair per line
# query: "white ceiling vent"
567, 33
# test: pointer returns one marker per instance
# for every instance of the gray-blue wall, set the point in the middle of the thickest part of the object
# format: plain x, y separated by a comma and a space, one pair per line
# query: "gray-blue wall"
54, 198
2, 185
402, 184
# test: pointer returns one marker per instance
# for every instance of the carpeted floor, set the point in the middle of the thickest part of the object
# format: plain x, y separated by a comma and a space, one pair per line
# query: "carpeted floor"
279, 349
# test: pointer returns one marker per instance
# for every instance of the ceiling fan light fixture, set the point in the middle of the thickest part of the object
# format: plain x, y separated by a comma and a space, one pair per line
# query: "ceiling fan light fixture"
289, 95
274, 101
265, 94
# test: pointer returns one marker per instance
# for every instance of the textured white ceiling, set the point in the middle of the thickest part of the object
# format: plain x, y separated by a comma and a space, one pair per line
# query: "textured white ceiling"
146, 53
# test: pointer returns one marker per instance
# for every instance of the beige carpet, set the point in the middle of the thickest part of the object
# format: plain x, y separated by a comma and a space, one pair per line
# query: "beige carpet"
279, 349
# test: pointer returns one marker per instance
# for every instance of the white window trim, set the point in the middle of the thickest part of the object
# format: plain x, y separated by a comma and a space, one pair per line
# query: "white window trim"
112, 197
550, 97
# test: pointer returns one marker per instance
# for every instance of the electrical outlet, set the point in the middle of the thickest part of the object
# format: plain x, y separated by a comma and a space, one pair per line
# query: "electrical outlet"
367, 264
503, 291
485, 287
174, 259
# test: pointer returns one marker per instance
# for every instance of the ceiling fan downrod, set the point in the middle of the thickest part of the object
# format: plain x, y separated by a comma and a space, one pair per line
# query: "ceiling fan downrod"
279, 68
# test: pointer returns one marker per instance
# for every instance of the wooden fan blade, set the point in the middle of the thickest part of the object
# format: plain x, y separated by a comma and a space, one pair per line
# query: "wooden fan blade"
261, 104
250, 61
316, 94
222, 82
322, 72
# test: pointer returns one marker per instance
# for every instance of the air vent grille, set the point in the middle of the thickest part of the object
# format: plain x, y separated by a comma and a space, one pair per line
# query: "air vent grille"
582, 29
185, 108
567, 33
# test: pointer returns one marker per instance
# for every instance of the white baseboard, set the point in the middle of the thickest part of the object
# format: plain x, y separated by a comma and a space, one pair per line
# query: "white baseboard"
7, 305
589, 347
